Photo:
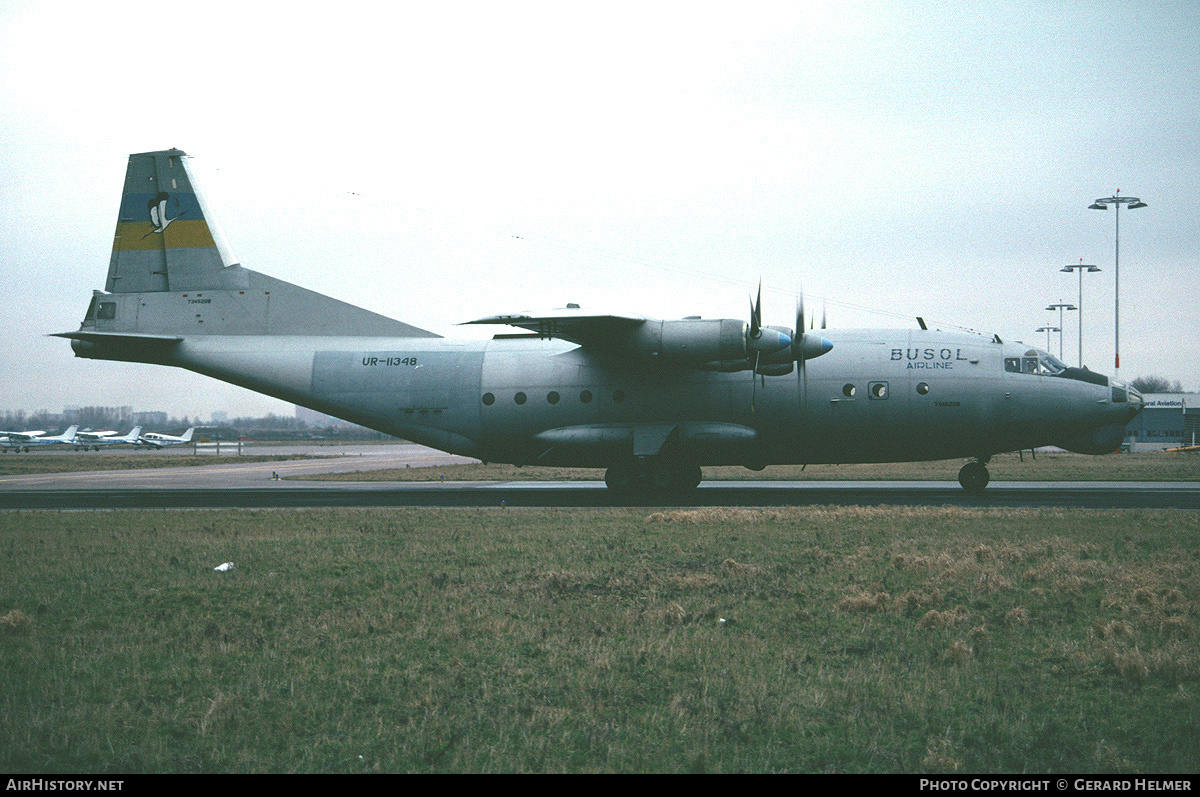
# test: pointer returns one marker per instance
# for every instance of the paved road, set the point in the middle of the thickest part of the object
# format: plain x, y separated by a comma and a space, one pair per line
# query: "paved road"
252, 485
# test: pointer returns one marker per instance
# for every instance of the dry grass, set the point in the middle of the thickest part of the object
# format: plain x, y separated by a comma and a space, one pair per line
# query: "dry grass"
16, 622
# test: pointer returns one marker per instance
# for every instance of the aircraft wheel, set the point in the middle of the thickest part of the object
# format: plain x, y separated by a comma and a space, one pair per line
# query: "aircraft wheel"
688, 478
622, 479
973, 477
651, 479
658, 479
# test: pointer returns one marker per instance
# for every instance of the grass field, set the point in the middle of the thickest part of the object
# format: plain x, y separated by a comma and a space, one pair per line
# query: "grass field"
719, 640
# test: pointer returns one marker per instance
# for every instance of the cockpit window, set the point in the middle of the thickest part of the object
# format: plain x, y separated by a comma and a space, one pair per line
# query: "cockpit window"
1052, 365
1034, 362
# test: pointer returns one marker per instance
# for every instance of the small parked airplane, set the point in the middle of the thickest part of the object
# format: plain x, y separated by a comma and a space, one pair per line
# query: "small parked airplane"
650, 400
159, 440
97, 440
23, 441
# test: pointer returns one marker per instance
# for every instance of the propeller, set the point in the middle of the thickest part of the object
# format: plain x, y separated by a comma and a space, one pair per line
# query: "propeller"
769, 349
806, 346
761, 342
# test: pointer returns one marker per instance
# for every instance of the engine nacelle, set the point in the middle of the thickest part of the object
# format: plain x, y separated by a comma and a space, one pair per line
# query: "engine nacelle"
691, 341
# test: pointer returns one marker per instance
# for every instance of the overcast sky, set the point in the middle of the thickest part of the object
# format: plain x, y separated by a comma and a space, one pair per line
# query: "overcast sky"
438, 162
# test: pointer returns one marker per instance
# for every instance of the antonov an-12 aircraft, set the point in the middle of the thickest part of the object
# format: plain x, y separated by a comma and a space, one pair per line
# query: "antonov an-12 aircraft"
651, 401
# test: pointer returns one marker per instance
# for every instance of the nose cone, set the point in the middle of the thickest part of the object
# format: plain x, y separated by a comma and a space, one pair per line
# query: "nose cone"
812, 346
770, 341
1103, 426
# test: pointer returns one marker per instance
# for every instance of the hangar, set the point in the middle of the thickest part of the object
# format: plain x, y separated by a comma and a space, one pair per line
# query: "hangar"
1169, 420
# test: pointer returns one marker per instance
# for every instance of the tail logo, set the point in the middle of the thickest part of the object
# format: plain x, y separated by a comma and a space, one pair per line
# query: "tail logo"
158, 213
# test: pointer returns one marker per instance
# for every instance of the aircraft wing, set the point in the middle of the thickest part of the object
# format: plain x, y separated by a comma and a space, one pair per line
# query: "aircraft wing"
570, 324
24, 436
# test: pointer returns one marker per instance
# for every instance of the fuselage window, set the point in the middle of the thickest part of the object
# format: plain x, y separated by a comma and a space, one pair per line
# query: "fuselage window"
923, 388
878, 390
552, 397
108, 311
520, 398
1012, 365
849, 390
488, 399
586, 397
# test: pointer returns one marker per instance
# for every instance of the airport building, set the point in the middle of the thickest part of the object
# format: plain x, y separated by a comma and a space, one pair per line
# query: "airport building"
1170, 420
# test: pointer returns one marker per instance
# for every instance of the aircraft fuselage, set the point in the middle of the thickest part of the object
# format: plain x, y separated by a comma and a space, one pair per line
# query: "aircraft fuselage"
878, 396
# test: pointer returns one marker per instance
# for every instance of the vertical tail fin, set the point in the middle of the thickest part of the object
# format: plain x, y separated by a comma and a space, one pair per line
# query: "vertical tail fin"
172, 274
165, 238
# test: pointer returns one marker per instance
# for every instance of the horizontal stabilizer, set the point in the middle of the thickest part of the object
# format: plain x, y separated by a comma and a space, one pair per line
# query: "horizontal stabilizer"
121, 346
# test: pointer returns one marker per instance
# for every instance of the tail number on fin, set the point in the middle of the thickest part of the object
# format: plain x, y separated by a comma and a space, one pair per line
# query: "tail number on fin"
370, 362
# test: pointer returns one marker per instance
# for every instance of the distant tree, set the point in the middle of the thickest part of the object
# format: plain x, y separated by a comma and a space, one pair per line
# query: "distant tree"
1156, 384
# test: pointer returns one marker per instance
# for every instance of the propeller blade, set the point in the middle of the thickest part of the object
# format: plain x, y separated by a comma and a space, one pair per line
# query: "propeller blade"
753, 381
769, 350
798, 353
756, 315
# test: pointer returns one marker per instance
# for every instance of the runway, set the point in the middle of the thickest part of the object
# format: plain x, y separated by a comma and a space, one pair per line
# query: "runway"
252, 485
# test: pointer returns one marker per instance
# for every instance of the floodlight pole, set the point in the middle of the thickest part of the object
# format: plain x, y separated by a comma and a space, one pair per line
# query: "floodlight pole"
1059, 307
1102, 204
1048, 330
1090, 270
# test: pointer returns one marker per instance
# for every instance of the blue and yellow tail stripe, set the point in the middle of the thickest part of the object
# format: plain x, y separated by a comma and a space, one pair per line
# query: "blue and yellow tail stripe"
187, 227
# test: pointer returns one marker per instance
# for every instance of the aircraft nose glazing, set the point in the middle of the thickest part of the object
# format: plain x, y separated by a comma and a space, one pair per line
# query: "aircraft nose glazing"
1136, 402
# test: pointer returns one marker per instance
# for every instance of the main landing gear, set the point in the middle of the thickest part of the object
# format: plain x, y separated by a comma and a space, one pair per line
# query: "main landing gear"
974, 475
651, 477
